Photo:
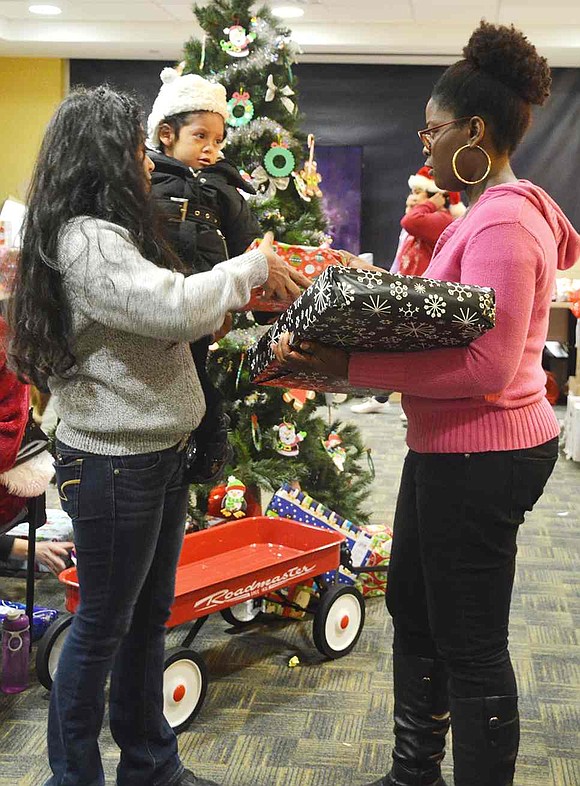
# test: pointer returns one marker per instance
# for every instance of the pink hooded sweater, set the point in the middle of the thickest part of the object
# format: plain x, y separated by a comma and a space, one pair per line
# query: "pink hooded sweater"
490, 395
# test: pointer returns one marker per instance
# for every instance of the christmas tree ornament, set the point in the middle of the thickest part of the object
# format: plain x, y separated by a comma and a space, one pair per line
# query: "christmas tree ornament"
256, 432
288, 441
241, 109
257, 397
301, 186
202, 55
268, 185
240, 367
234, 503
279, 161
333, 446
284, 94
239, 40
298, 398
309, 173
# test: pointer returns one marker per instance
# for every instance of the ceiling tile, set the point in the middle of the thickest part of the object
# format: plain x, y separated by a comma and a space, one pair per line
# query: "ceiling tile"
562, 12
450, 13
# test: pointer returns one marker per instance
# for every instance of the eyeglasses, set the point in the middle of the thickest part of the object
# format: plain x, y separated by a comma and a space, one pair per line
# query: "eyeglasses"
425, 133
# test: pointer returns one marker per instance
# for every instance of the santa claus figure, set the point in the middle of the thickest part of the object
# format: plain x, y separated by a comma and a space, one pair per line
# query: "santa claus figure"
289, 439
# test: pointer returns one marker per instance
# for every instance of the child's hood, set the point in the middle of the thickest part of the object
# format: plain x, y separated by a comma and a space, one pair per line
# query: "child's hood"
567, 239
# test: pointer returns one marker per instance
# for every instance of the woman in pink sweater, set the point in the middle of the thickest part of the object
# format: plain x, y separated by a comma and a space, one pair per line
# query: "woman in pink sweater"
482, 437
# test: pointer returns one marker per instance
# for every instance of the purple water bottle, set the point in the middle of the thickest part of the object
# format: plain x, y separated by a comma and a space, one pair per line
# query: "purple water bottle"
15, 651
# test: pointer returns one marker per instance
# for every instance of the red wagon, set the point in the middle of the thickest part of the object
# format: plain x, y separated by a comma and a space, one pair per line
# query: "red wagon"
234, 568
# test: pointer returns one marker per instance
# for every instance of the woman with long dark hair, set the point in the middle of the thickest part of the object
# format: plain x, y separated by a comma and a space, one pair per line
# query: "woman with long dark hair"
482, 437
101, 317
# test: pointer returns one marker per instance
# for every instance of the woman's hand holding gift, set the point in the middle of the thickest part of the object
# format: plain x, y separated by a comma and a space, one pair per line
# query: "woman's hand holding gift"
283, 282
311, 356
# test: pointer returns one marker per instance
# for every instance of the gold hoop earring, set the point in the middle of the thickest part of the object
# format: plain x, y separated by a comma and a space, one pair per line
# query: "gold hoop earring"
454, 165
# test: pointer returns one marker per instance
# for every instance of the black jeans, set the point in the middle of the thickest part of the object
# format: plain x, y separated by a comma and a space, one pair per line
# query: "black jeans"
453, 560
129, 517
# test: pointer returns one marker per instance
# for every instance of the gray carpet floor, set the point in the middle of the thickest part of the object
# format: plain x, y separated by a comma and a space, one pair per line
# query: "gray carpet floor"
329, 723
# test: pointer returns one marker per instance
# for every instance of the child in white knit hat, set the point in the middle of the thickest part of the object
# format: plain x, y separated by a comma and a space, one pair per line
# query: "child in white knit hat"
206, 217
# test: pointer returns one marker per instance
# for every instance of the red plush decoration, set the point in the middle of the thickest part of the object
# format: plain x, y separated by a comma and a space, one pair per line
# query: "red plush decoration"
13, 419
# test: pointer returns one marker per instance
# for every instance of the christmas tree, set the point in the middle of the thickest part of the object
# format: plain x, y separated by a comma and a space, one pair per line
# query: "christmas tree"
252, 58
277, 435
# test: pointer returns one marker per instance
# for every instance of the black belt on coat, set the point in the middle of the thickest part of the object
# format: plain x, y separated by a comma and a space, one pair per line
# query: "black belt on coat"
177, 210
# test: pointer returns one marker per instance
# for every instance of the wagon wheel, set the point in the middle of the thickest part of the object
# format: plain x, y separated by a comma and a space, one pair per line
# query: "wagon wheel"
49, 649
184, 686
338, 621
243, 614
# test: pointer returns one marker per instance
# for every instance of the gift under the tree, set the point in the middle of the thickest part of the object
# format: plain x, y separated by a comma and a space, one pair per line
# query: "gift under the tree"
367, 310
374, 583
309, 260
294, 504
293, 602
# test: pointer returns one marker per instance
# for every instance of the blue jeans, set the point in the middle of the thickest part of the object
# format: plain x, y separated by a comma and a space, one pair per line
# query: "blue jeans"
128, 514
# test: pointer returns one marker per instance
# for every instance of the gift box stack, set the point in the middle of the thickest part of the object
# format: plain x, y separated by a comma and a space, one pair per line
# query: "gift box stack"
368, 545
367, 310
309, 260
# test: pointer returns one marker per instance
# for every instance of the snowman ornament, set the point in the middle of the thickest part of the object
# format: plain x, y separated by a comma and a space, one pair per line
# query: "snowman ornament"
288, 443
239, 40
234, 502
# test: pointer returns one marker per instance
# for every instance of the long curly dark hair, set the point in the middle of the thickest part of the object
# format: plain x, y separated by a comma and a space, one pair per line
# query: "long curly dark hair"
90, 164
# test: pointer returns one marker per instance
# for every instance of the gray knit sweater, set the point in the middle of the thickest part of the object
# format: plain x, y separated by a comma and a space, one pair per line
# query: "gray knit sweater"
134, 388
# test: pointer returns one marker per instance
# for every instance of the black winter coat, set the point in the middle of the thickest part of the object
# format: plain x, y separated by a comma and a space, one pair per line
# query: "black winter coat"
211, 192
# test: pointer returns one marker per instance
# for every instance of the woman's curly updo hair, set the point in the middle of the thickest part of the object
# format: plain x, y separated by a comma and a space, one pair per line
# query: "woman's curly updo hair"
500, 78
89, 164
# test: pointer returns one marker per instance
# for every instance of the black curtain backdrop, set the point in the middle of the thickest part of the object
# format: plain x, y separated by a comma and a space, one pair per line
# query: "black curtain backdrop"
380, 107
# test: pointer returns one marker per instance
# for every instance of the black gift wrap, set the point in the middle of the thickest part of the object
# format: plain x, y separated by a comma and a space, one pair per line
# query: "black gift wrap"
368, 311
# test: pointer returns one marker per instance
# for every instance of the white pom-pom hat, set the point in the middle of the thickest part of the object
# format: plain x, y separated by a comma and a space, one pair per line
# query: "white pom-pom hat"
189, 93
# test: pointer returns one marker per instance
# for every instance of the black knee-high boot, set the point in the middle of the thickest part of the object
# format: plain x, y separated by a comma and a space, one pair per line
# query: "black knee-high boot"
486, 735
421, 722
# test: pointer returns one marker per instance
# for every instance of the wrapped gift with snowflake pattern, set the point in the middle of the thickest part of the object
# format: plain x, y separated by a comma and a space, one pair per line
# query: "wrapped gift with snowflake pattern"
367, 310
291, 503
310, 260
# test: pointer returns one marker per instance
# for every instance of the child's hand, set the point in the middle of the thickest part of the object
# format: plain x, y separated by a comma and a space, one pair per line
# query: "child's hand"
283, 282
438, 200
350, 260
225, 328
53, 554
